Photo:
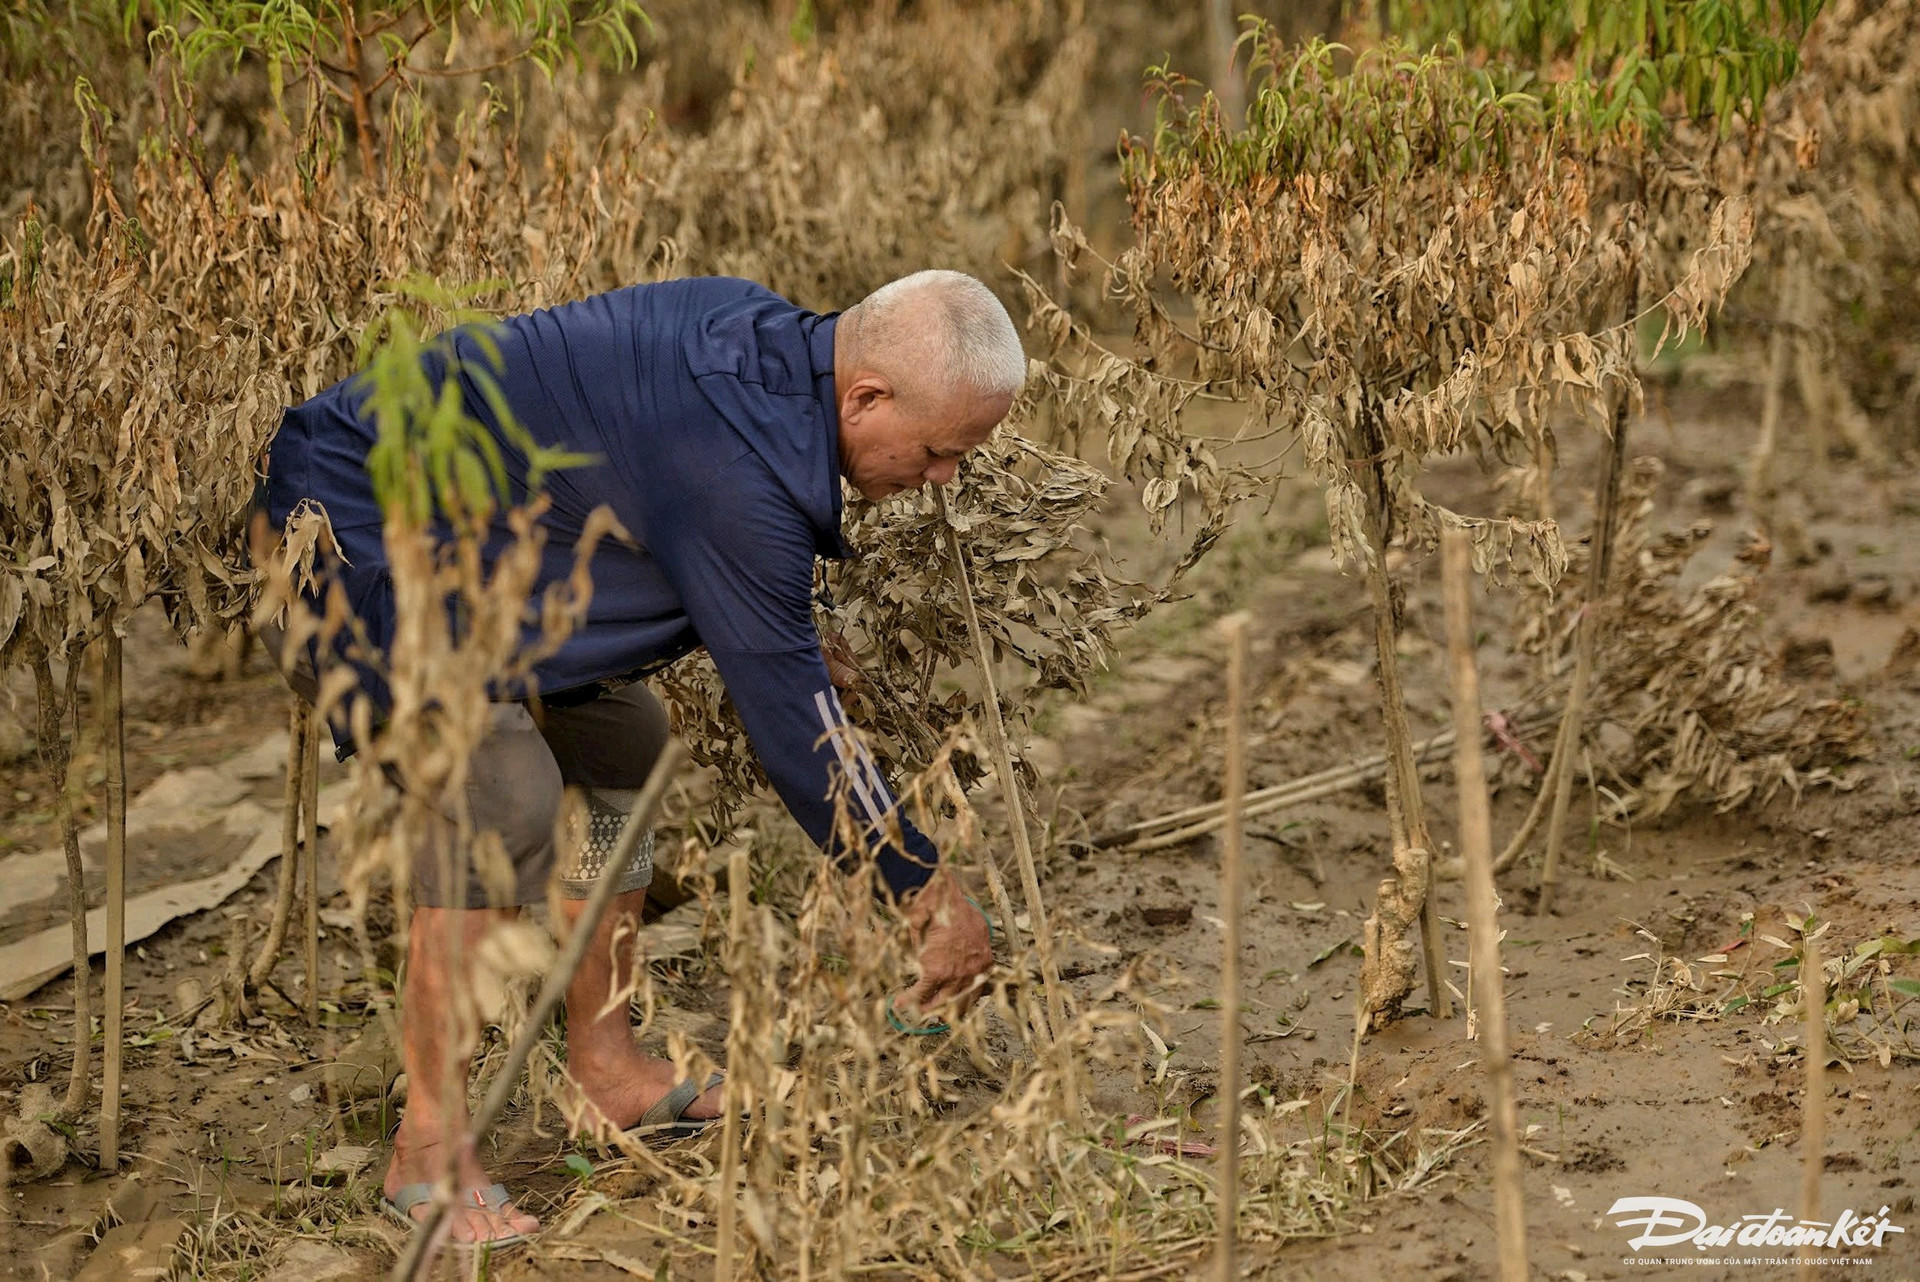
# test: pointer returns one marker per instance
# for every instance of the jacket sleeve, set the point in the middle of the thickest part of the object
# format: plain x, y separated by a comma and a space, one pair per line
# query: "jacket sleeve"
741, 561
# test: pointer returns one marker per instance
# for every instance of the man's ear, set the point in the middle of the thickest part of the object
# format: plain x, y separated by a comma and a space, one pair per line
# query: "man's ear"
867, 391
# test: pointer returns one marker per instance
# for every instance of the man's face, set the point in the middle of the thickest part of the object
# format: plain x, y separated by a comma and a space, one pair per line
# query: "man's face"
885, 450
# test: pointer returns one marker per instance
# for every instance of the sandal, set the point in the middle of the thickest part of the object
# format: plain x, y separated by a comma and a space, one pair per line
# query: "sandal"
491, 1198
667, 1118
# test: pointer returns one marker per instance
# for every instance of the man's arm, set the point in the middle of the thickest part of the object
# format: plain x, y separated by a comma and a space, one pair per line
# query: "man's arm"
744, 574
802, 737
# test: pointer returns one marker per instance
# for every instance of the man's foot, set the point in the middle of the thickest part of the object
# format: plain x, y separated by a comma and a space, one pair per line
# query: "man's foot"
422, 1162
623, 1086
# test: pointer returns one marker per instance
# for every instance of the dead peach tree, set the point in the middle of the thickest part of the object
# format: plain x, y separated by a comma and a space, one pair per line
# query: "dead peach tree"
1831, 161
1391, 261
1704, 66
99, 398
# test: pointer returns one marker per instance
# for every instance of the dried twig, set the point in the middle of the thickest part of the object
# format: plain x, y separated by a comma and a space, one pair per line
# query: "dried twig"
291, 801
996, 729
1199, 820
1606, 501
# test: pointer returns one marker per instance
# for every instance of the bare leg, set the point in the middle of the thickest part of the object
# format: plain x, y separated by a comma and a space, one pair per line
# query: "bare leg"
438, 1055
601, 1054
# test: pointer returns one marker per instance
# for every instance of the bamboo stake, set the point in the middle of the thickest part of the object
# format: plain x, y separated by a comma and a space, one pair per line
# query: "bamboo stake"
1009, 784
552, 989
55, 756
113, 730
1233, 787
310, 818
1813, 1125
739, 878
1476, 842
269, 955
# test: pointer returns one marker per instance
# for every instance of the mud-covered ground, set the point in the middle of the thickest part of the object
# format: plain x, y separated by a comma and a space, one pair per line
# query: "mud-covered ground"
1706, 1107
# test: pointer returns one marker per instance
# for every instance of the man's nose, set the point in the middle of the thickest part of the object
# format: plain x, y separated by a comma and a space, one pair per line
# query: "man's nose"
942, 471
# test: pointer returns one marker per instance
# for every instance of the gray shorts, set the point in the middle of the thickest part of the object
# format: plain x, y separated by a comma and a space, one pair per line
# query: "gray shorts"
516, 779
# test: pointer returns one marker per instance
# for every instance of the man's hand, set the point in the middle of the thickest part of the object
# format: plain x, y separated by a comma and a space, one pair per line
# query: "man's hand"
955, 949
842, 669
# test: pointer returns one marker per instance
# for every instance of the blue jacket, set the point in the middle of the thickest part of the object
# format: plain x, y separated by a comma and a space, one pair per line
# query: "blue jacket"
709, 404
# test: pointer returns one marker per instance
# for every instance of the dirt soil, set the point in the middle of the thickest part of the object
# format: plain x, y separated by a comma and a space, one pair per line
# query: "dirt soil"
1706, 1108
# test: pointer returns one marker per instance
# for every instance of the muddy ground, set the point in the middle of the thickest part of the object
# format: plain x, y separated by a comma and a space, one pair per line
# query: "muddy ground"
1705, 1108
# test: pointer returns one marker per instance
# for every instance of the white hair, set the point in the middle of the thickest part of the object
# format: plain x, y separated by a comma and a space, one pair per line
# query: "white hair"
943, 328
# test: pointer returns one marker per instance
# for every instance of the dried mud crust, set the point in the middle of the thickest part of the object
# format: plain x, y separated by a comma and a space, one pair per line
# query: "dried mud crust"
1703, 1109
1700, 1108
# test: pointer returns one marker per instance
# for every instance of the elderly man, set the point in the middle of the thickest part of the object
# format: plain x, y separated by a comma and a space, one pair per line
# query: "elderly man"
721, 419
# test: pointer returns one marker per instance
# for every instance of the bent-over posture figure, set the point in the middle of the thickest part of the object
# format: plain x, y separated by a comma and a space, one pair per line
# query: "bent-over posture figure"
721, 418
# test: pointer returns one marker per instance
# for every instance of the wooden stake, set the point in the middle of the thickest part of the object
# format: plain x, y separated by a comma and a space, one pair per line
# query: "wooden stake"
996, 729
1476, 842
310, 818
552, 989
113, 731
1813, 1124
1233, 787
739, 878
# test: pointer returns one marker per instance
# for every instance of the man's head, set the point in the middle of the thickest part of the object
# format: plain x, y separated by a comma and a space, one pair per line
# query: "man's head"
924, 369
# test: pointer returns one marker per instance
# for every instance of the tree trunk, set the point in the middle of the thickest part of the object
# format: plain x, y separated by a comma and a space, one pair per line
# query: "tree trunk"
55, 756
362, 103
114, 732
1386, 974
1229, 86
1572, 724
1763, 493
1233, 789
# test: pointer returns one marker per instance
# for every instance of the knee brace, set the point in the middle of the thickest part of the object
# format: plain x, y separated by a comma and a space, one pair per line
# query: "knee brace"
592, 837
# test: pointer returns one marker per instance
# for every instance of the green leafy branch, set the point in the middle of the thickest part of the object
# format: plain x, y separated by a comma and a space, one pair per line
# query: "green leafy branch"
1715, 58
432, 456
353, 50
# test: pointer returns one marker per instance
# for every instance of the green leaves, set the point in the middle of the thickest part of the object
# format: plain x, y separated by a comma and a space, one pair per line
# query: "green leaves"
432, 457
357, 50
1394, 113
1709, 60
